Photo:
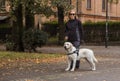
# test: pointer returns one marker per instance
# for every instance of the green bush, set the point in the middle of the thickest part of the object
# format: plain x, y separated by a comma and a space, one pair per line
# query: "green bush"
95, 32
51, 28
4, 25
10, 45
5, 29
53, 41
33, 38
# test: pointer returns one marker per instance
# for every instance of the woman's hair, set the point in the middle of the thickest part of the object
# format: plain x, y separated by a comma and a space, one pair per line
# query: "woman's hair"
75, 17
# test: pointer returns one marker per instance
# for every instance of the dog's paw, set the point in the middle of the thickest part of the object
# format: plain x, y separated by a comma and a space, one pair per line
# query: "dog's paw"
67, 69
93, 69
72, 70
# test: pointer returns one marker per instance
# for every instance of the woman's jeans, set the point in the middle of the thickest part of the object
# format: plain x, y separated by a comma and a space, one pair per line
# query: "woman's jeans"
77, 45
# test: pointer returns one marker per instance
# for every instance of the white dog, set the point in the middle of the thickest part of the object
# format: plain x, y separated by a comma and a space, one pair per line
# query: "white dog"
83, 53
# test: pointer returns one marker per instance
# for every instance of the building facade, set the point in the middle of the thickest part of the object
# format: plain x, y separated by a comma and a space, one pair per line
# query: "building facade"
95, 10
87, 10
4, 9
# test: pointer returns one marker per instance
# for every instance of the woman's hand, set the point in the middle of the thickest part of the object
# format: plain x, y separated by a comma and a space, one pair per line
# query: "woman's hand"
66, 38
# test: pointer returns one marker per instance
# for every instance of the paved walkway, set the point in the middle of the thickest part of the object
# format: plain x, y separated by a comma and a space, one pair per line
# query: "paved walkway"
99, 50
108, 68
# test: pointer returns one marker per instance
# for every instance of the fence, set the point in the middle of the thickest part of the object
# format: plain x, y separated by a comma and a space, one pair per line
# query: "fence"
95, 33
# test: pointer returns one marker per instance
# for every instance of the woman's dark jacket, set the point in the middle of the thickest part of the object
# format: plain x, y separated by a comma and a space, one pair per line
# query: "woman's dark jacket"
72, 26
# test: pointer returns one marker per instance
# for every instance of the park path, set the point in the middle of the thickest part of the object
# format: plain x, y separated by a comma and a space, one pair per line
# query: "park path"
108, 68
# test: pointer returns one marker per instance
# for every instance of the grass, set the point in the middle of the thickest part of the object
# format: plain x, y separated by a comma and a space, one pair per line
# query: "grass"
52, 41
22, 55
4, 25
21, 58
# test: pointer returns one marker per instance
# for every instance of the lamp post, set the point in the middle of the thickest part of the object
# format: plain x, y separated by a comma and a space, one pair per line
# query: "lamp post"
106, 28
77, 7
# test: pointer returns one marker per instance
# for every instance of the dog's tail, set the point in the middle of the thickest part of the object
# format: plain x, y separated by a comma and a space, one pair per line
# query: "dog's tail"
95, 59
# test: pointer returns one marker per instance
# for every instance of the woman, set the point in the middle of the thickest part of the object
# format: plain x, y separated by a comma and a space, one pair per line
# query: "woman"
74, 32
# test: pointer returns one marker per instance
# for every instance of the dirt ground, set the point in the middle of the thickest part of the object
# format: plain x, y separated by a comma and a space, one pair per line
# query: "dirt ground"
108, 67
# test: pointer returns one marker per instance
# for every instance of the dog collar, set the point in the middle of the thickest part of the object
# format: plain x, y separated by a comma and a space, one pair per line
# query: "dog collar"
73, 52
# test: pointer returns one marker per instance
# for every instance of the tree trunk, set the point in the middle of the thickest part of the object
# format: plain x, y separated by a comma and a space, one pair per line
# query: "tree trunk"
61, 25
29, 16
18, 29
29, 19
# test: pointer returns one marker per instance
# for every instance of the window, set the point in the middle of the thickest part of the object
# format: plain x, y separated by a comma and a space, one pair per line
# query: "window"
2, 3
70, 2
103, 5
88, 4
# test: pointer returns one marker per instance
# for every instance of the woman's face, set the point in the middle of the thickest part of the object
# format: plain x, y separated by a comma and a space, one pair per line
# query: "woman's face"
71, 15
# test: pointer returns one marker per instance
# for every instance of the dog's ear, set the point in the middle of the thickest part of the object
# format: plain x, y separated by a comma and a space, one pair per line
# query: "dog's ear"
64, 43
71, 45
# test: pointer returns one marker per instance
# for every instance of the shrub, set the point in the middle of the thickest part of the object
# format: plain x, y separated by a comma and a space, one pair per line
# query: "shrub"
51, 28
33, 38
5, 29
10, 45
95, 32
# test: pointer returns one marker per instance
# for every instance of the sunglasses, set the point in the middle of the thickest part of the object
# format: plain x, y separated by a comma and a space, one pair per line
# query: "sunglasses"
71, 14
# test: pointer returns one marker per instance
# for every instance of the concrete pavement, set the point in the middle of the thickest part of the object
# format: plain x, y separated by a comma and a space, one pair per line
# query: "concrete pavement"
108, 67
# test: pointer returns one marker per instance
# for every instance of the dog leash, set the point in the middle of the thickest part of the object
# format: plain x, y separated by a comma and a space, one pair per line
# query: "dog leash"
73, 52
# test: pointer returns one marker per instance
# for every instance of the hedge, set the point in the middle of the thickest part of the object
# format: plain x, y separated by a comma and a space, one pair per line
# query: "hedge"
51, 28
93, 32
5, 29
